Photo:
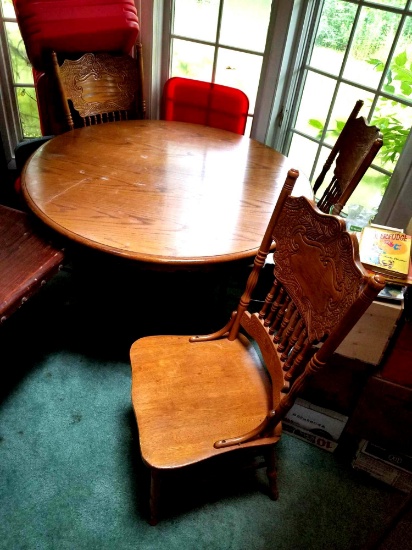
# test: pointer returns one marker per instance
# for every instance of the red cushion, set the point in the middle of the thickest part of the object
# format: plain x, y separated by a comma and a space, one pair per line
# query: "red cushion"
76, 26
188, 100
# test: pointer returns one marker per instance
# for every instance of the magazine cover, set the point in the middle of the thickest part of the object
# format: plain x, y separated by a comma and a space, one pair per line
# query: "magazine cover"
385, 251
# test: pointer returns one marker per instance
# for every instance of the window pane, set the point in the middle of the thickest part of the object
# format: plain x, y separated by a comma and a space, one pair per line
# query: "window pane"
369, 191
196, 19
248, 128
7, 8
394, 121
192, 60
239, 70
345, 101
302, 154
373, 39
316, 99
399, 78
29, 114
245, 24
332, 36
22, 71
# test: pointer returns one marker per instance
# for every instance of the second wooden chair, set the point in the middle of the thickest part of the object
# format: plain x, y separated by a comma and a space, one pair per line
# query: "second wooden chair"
100, 87
353, 153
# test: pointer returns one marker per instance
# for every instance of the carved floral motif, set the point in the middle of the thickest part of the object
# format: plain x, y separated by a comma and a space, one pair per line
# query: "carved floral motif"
314, 263
100, 83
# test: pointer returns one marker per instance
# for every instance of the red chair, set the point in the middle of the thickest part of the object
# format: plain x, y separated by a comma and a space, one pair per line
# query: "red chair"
187, 100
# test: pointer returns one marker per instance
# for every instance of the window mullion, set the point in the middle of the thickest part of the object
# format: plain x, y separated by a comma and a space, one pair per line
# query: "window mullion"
10, 122
214, 44
155, 21
219, 26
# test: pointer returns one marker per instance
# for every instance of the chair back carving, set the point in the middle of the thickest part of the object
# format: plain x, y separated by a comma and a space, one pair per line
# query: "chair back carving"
215, 105
353, 153
100, 87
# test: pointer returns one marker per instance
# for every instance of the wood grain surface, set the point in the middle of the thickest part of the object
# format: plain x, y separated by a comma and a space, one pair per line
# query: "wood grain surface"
165, 193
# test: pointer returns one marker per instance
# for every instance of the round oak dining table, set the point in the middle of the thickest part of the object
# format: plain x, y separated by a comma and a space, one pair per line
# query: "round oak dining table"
168, 194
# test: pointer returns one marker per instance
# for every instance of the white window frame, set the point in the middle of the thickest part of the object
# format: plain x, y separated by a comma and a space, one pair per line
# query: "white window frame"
152, 14
10, 128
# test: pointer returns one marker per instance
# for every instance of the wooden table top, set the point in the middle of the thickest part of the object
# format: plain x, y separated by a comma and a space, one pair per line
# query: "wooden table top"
166, 193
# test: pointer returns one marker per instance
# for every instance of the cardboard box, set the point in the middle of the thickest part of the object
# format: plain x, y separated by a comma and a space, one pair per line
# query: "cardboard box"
316, 425
370, 336
392, 468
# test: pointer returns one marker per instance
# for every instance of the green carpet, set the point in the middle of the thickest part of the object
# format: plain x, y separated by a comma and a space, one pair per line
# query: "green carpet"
71, 477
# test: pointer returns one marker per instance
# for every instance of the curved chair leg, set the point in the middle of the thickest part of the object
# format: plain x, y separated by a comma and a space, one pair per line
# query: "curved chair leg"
271, 472
154, 496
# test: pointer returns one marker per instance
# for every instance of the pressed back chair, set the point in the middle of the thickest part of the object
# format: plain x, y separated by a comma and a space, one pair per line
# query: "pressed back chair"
27, 259
201, 396
96, 88
100, 87
215, 105
353, 153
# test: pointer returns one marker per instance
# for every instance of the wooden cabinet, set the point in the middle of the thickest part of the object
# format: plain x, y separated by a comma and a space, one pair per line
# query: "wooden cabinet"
397, 366
369, 379
383, 415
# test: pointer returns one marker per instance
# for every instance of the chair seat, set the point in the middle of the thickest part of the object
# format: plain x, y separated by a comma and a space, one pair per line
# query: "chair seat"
181, 411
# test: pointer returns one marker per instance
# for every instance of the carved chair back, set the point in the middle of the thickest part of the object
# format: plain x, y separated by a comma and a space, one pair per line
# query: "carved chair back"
100, 87
318, 291
353, 153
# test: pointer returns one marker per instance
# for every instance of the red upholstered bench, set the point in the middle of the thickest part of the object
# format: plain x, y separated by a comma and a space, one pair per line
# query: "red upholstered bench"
27, 260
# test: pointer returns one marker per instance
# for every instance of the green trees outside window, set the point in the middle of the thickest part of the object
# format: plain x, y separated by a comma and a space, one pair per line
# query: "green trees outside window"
367, 50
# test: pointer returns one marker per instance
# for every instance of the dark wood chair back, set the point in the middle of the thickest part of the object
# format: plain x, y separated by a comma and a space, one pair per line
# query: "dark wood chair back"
215, 105
100, 87
353, 153
197, 397
27, 260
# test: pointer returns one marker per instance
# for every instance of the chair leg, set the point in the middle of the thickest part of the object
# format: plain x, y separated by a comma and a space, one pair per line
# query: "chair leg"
271, 472
154, 496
